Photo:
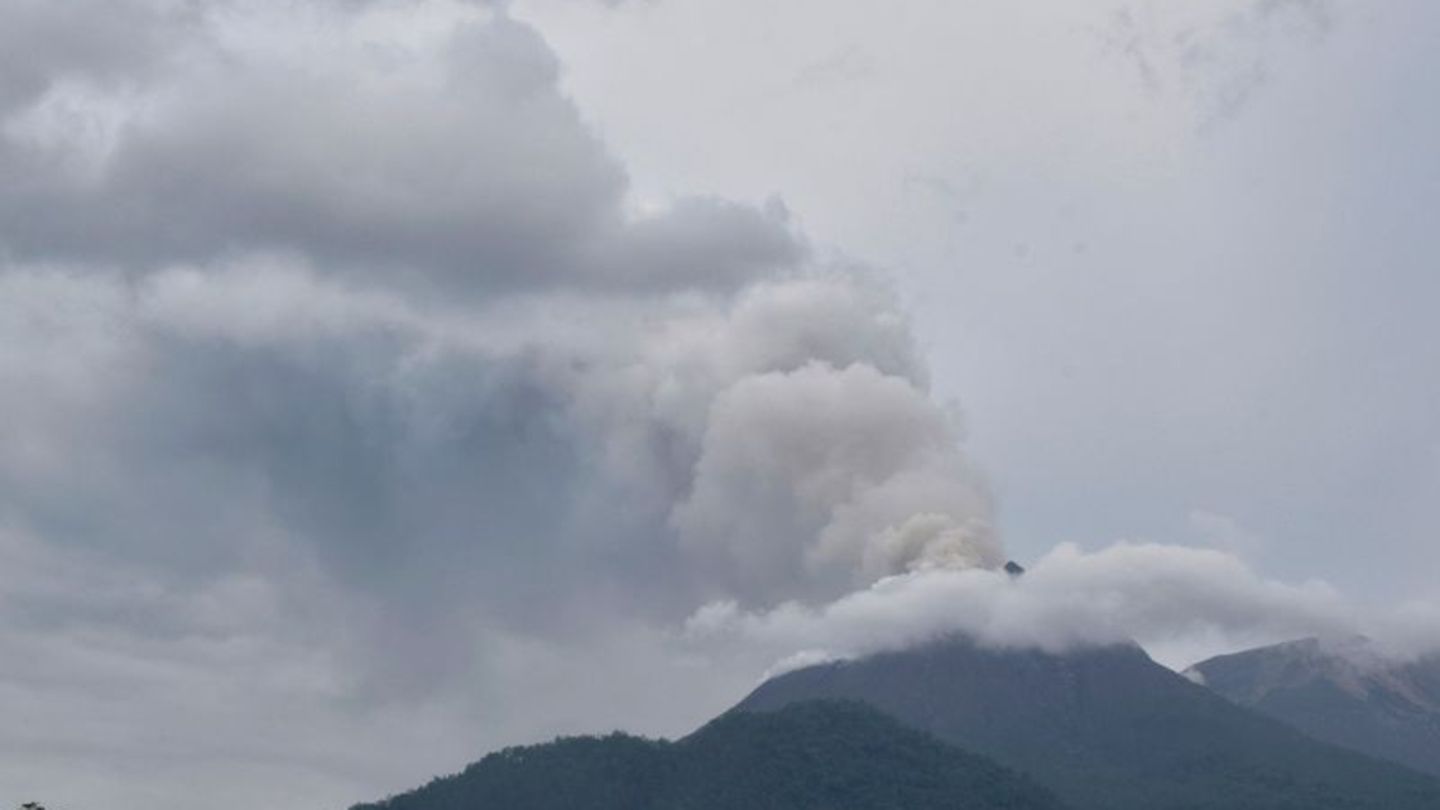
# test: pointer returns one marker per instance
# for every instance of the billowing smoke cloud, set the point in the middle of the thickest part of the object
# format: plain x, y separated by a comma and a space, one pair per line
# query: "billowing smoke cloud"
349, 282
862, 463
340, 376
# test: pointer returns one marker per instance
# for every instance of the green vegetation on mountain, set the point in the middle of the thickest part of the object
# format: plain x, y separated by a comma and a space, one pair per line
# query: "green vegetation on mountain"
816, 755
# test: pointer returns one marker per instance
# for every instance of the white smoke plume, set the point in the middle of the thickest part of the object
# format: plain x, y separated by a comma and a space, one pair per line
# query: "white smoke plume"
400, 307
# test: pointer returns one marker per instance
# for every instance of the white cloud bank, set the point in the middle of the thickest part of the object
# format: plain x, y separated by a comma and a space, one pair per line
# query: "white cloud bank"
1174, 599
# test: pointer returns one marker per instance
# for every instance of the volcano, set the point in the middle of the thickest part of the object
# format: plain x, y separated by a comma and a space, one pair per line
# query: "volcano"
1106, 728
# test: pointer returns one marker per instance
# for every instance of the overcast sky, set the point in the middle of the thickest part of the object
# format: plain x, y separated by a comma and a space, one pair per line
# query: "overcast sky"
386, 381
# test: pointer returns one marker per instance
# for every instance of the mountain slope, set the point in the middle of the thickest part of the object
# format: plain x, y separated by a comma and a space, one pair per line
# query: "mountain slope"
808, 756
1346, 695
1107, 729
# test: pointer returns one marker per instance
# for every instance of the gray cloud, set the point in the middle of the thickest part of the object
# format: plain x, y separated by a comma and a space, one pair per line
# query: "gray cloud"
198, 406
453, 164
43, 44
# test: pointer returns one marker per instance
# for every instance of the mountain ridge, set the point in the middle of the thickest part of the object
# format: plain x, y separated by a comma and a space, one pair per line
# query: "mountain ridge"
1106, 728
1346, 693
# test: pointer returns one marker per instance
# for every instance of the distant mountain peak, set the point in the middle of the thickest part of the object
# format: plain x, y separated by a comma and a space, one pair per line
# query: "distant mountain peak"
1346, 692
1354, 665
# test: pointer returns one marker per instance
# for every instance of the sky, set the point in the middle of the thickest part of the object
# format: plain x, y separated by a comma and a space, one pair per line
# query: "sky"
383, 382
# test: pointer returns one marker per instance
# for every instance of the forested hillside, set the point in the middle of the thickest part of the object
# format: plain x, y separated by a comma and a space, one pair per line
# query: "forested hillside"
818, 755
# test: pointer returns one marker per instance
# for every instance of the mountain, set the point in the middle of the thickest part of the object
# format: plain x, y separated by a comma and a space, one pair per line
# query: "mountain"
1106, 729
1344, 694
815, 755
